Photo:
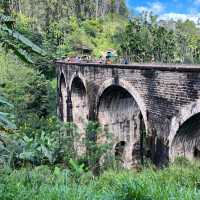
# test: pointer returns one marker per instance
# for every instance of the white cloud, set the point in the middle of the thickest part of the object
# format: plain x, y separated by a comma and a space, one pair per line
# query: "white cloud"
141, 9
177, 16
155, 7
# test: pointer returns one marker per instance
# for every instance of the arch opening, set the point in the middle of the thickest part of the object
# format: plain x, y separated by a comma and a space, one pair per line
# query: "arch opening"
79, 103
119, 150
186, 142
119, 114
196, 153
63, 99
79, 110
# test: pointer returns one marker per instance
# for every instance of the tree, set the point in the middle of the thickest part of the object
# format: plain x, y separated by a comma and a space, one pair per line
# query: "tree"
144, 41
188, 41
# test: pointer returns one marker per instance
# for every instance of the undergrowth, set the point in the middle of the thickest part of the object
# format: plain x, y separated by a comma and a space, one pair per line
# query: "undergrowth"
178, 182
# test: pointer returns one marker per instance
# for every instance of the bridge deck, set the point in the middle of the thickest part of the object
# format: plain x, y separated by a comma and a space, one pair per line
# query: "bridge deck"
141, 66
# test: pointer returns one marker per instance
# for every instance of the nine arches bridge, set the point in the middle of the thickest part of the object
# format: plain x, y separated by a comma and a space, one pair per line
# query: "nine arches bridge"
127, 100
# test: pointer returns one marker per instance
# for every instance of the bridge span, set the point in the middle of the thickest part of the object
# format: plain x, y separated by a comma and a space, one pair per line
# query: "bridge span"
158, 105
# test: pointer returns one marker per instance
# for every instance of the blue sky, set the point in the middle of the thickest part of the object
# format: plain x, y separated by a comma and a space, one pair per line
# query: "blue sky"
168, 9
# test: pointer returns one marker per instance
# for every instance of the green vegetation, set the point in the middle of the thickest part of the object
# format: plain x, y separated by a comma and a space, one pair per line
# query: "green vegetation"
11, 39
179, 181
5, 123
38, 152
26, 88
144, 40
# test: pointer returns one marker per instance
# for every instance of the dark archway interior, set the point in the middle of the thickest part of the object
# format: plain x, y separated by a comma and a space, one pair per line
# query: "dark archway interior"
187, 140
63, 98
79, 103
119, 114
79, 112
119, 150
117, 109
136, 152
78, 88
196, 153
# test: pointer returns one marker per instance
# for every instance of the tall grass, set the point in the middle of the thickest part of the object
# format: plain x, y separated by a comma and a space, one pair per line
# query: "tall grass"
176, 182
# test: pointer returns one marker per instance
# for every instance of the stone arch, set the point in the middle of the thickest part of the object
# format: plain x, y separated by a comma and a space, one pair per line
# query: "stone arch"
80, 76
79, 109
185, 116
129, 88
119, 114
63, 98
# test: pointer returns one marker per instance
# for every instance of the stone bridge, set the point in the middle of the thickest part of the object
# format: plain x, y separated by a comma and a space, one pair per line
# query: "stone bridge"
151, 110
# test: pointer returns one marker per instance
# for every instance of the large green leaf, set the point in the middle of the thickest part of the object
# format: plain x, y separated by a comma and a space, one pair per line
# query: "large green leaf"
4, 102
22, 54
25, 41
4, 114
5, 19
5, 123
50, 154
27, 155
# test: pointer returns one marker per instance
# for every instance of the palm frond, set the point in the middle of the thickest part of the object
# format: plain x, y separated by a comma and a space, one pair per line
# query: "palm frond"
23, 40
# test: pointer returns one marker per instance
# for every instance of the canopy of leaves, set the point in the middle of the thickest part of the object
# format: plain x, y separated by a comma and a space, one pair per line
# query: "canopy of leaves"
145, 40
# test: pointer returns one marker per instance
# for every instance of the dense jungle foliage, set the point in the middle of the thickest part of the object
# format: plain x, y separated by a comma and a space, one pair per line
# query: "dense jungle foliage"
38, 158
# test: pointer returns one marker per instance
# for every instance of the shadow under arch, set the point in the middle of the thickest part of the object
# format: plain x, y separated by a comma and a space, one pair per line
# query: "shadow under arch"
130, 89
119, 150
79, 103
184, 118
62, 98
123, 116
75, 76
79, 109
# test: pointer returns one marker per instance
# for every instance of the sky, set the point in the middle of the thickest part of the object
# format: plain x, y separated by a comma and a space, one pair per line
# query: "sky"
168, 9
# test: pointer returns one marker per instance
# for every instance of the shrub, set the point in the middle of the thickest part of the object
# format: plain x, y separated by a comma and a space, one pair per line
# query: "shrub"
40, 141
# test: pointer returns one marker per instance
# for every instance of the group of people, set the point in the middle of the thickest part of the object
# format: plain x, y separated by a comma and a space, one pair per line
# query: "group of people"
76, 59
108, 59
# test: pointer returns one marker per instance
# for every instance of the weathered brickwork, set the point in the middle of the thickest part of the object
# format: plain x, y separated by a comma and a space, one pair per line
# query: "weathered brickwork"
166, 96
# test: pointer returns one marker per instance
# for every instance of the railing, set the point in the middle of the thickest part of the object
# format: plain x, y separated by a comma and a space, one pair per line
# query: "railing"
139, 66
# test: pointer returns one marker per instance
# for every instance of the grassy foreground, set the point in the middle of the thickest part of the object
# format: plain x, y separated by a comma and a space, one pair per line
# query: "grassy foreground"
178, 181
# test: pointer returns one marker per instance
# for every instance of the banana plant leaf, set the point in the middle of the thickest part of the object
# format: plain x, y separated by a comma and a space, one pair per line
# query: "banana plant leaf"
22, 54
5, 123
25, 41
4, 114
4, 102
5, 19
